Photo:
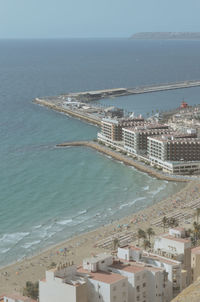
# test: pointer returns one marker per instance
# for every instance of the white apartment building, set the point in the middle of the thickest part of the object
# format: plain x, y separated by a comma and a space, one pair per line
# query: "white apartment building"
63, 284
104, 286
174, 245
145, 282
129, 253
135, 138
176, 279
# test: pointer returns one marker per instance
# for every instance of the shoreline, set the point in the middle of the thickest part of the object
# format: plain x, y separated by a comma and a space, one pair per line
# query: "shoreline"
127, 161
14, 276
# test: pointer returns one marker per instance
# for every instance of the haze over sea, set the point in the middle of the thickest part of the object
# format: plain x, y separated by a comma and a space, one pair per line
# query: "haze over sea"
49, 194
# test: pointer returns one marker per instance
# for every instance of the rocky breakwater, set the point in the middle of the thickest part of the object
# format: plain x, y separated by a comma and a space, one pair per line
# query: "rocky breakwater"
55, 105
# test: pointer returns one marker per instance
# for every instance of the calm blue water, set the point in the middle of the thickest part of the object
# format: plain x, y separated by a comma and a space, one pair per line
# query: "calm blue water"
49, 194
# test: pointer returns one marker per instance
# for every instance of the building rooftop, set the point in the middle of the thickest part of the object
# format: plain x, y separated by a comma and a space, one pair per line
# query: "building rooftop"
170, 237
105, 277
131, 247
176, 138
161, 259
97, 258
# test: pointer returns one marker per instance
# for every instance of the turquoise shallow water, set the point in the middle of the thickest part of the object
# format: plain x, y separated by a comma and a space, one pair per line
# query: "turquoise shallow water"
48, 194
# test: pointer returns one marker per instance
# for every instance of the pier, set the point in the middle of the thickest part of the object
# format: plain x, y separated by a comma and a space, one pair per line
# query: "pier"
115, 92
70, 103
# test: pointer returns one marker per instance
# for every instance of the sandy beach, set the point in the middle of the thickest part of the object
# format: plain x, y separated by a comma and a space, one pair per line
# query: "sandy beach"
181, 205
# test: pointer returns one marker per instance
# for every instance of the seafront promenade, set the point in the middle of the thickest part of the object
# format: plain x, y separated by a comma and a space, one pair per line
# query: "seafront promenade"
127, 160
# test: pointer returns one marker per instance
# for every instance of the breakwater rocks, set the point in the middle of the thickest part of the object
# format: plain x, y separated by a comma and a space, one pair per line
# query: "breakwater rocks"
125, 159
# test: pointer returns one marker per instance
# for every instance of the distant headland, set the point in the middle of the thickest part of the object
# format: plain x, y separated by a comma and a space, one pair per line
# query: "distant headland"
166, 36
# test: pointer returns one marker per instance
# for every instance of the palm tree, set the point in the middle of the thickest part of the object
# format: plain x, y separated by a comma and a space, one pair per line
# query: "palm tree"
196, 231
172, 222
141, 234
164, 222
146, 244
150, 232
115, 243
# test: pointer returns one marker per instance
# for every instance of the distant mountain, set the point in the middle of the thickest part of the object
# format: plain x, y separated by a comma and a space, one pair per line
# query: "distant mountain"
166, 36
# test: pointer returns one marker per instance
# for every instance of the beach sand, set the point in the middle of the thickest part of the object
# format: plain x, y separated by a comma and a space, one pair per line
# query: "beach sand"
14, 277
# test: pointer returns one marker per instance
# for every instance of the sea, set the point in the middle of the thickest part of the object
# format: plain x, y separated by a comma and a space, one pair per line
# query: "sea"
49, 194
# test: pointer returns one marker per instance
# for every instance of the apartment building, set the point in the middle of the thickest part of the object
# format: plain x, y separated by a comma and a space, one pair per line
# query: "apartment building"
105, 286
195, 263
111, 129
135, 138
175, 246
102, 283
176, 277
146, 283
63, 284
177, 153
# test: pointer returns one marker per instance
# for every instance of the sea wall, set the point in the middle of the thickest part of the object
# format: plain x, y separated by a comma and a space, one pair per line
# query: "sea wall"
126, 160
75, 114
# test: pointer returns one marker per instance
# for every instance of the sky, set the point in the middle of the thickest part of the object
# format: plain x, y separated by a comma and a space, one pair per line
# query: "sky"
95, 18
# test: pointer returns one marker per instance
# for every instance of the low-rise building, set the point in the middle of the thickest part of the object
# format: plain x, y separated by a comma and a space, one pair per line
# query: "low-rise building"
175, 246
105, 286
63, 284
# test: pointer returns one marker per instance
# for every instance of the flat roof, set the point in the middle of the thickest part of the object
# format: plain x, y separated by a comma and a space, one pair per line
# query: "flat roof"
131, 247
170, 237
98, 257
161, 259
105, 277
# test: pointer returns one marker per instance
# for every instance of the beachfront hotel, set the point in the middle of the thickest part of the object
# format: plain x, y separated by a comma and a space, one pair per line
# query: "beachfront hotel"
111, 129
175, 153
135, 138
153, 143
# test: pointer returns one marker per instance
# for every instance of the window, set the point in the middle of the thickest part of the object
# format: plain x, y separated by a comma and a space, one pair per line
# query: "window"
114, 288
144, 284
138, 288
138, 298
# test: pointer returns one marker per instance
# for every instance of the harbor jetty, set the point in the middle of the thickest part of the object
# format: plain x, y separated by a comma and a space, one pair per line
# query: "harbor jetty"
79, 104
126, 160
